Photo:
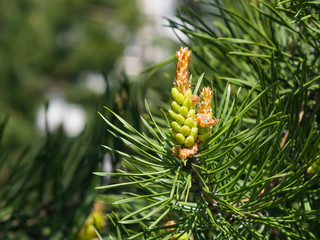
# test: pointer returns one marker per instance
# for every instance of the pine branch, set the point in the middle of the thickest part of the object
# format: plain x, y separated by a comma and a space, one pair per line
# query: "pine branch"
249, 169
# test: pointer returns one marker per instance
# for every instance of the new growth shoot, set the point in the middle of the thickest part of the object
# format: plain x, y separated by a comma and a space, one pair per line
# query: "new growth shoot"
191, 116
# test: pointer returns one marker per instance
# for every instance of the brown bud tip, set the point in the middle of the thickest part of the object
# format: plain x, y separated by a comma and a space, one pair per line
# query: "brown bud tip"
188, 152
204, 120
206, 99
182, 74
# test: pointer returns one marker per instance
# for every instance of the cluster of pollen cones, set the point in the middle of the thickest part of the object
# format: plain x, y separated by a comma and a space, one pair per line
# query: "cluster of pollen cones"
204, 119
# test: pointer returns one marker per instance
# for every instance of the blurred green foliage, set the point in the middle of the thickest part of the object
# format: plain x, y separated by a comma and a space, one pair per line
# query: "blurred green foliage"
49, 45
39, 197
46, 182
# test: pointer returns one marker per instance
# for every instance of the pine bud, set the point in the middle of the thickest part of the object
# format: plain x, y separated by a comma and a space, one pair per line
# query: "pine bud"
187, 103
177, 117
185, 130
177, 96
188, 94
314, 168
204, 117
180, 139
175, 126
182, 112
189, 125
189, 122
189, 141
175, 106
191, 113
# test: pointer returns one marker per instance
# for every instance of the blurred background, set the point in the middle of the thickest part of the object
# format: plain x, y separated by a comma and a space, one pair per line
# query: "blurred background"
66, 52
61, 61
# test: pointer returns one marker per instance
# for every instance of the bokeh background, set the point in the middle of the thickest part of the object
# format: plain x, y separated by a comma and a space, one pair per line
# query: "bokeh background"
61, 61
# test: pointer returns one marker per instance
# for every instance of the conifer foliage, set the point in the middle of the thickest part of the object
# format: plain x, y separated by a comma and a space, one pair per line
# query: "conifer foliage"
255, 174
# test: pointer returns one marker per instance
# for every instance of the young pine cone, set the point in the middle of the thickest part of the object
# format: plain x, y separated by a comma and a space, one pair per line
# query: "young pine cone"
189, 125
184, 130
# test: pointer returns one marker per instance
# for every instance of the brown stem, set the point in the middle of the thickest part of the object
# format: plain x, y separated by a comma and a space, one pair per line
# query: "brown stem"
198, 184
